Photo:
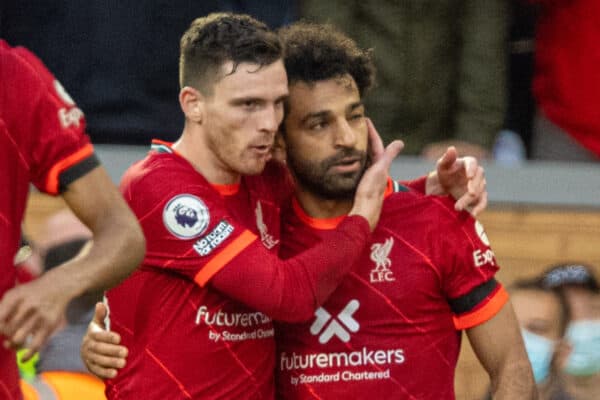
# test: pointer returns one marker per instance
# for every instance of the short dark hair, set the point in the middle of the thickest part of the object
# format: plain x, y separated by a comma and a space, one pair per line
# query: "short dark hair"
571, 274
317, 52
212, 40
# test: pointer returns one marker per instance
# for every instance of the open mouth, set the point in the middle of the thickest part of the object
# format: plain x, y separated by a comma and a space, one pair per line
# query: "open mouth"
263, 150
348, 164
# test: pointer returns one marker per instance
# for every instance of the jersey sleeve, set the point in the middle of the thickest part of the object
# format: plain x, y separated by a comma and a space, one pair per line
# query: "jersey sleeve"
291, 290
190, 232
46, 126
417, 185
469, 263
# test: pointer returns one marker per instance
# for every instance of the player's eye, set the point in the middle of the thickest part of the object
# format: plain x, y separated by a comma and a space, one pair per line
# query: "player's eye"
357, 116
318, 125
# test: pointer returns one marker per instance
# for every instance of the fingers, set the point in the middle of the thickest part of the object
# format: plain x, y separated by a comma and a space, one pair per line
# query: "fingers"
382, 165
448, 158
22, 337
391, 152
6, 309
30, 336
471, 166
101, 372
476, 183
481, 205
475, 199
369, 193
29, 325
102, 354
100, 313
39, 338
375, 141
11, 313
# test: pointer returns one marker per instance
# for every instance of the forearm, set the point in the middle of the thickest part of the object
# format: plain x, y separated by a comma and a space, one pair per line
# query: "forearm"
116, 249
290, 290
499, 347
514, 381
118, 244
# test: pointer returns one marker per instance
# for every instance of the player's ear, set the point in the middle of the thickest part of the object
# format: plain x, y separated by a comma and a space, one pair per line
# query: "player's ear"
192, 103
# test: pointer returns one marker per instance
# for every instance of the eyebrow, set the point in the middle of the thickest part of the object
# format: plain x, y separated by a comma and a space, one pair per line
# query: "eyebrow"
355, 105
241, 100
325, 113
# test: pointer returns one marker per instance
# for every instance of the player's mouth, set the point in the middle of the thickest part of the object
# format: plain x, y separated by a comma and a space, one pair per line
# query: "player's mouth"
346, 165
261, 150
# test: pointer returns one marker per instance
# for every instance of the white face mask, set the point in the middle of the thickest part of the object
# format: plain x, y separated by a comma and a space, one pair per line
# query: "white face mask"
584, 337
540, 351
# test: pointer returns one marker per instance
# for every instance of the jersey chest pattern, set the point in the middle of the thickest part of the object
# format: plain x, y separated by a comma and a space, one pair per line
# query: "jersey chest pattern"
181, 324
380, 331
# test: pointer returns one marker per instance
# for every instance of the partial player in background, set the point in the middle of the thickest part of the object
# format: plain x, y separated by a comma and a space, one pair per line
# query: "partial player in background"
43, 141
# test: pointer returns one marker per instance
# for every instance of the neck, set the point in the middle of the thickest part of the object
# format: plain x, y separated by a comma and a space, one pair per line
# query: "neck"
193, 148
317, 207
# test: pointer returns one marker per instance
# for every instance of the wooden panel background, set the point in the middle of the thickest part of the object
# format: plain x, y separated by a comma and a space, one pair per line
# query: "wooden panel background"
525, 240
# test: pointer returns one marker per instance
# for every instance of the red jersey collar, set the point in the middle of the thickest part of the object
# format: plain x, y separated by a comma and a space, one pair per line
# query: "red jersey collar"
160, 146
330, 223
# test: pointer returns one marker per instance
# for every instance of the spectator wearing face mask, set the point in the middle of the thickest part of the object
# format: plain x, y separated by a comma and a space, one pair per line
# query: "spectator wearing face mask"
580, 374
543, 315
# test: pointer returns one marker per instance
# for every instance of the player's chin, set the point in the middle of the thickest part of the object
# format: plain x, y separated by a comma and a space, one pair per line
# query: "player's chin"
255, 167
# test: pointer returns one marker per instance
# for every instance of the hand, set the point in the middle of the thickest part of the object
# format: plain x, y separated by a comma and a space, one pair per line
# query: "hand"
30, 313
369, 194
463, 178
100, 349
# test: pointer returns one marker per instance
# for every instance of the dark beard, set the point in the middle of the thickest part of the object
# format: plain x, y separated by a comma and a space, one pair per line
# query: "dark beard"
317, 179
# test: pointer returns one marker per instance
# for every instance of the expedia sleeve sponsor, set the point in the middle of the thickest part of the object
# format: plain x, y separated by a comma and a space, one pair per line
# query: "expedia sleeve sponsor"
205, 245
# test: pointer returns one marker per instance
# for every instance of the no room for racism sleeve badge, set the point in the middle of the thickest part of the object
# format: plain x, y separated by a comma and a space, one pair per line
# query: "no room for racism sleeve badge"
186, 216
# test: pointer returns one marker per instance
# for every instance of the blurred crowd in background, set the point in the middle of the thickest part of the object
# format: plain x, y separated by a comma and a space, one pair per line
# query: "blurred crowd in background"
508, 80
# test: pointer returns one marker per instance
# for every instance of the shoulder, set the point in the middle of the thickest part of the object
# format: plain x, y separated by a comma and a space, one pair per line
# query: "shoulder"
406, 200
21, 63
163, 176
432, 214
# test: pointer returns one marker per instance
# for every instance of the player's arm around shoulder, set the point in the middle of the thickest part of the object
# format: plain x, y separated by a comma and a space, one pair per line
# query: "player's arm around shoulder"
499, 347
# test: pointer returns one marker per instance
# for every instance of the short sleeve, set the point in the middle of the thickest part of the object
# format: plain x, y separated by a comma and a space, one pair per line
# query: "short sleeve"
46, 127
469, 266
188, 227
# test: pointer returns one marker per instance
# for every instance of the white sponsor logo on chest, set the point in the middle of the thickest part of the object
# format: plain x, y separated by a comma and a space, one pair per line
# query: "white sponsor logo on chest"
327, 326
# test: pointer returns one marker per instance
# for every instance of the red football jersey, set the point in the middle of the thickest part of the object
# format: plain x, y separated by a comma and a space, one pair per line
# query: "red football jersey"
196, 315
42, 141
392, 328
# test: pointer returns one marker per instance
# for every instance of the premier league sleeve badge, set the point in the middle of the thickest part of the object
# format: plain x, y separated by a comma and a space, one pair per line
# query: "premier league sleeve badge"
186, 216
